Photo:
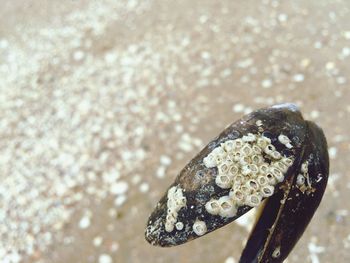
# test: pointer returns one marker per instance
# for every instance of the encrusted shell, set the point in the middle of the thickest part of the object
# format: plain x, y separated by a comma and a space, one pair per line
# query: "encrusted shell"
257, 157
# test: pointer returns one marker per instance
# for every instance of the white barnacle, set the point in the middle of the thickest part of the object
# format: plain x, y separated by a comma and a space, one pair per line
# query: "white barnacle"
246, 190
238, 179
305, 167
199, 228
227, 207
233, 170
267, 190
169, 225
285, 140
250, 137
176, 201
238, 143
254, 168
269, 149
223, 168
300, 180
179, 225
223, 181
259, 123
230, 156
288, 161
276, 155
246, 170
218, 151
219, 159
277, 252
253, 184
229, 145
245, 160
253, 200
256, 149
229, 161
212, 207
246, 150
277, 174
236, 155
262, 180
270, 178
263, 142
281, 166
238, 196
257, 159
264, 168
210, 161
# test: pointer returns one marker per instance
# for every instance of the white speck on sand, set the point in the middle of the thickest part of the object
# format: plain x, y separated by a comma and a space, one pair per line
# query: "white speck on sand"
144, 187
105, 258
332, 151
238, 108
84, 222
119, 188
266, 83
298, 78
97, 241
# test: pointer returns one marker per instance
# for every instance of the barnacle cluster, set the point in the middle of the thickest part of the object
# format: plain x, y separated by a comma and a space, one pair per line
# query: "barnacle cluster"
250, 167
303, 181
176, 201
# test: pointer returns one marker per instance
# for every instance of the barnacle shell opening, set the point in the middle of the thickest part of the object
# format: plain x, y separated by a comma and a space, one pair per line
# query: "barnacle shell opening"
250, 167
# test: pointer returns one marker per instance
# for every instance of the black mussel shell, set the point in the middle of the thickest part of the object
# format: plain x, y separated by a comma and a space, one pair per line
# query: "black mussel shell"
287, 212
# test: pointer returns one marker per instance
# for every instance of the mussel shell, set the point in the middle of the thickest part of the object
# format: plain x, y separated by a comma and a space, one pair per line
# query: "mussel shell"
198, 182
287, 213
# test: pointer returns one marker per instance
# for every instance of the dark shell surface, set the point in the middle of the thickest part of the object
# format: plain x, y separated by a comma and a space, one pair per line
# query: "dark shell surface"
287, 212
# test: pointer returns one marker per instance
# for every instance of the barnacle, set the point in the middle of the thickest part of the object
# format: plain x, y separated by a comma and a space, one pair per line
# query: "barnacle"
272, 154
212, 207
199, 228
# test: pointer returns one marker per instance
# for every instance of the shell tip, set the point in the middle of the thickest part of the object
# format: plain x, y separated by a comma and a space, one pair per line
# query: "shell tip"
289, 106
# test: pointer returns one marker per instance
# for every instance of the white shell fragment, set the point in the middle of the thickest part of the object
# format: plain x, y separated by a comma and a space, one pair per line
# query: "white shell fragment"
250, 167
199, 228
176, 201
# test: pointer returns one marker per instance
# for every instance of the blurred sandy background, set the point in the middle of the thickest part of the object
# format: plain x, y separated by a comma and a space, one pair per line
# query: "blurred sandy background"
103, 102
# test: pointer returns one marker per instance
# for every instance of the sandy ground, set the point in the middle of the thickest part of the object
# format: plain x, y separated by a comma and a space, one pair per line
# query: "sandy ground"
103, 102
